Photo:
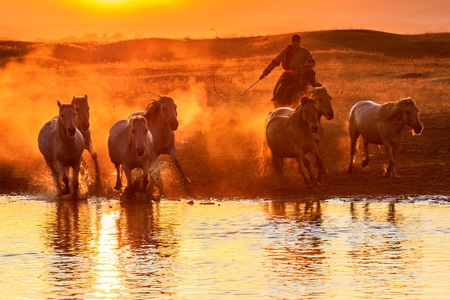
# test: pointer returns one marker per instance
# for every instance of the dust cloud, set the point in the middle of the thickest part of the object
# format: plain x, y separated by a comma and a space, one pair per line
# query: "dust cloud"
218, 140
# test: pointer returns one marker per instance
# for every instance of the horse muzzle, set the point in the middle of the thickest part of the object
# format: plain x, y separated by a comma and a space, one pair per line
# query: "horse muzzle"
140, 151
329, 116
71, 131
418, 129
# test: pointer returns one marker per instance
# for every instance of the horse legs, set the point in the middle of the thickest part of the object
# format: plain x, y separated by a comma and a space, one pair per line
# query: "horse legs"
173, 156
98, 183
353, 138
55, 177
65, 178
118, 185
75, 172
391, 151
365, 161
278, 163
130, 183
156, 175
301, 160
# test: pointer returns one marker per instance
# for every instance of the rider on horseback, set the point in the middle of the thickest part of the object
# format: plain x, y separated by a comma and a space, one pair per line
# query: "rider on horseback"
294, 59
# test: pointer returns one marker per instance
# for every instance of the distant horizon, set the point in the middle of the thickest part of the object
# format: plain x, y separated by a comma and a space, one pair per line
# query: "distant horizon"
118, 36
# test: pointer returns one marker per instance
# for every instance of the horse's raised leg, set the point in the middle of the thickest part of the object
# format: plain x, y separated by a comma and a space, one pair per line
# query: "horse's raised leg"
391, 151
365, 161
173, 156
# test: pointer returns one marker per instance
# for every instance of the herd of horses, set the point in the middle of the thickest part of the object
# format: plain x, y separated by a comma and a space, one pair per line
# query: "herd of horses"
292, 130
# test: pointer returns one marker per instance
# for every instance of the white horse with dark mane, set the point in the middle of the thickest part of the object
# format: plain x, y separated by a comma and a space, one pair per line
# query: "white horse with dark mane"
382, 125
130, 144
62, 144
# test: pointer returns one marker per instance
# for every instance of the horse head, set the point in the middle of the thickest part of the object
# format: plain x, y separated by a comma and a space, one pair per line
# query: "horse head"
67, 118
82, 107
410, 114
170, 111
323, 101
139, 130
309, 113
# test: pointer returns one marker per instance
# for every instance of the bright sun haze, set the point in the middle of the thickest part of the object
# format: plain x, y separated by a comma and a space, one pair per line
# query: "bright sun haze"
122, 6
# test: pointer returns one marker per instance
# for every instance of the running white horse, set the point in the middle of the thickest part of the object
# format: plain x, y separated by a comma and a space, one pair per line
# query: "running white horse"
62, 144
382, 125
130, 144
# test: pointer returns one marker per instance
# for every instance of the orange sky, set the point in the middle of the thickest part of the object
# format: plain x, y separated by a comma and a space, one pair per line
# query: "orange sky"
58, 19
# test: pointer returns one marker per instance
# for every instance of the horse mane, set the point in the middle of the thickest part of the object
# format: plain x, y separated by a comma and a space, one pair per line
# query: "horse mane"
391, 110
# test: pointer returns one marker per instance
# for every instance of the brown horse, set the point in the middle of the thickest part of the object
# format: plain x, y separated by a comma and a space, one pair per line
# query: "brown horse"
382, 125
162, 121
61, 144
290, 134
82, 107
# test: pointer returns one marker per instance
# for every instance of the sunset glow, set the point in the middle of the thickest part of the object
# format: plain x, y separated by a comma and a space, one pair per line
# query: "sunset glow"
58, 19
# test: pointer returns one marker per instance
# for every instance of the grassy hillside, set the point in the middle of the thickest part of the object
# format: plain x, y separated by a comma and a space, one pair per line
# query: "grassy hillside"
158, 49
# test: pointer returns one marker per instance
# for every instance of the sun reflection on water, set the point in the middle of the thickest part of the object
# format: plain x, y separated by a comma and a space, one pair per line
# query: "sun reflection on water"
108, 276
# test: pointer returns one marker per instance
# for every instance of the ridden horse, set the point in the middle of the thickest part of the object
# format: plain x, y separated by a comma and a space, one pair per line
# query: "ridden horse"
296, 87
290, 134
382, 125
61, 144
130, 144
82, 107
162, 121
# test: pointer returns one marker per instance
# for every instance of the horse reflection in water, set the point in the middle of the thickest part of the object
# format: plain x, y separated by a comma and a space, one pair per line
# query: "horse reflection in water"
290, 134
62, 144
130, 145
302, 255
162, 121
82, 107
382, 125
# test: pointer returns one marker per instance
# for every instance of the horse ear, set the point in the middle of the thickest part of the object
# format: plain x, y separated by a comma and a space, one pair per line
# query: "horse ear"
85, 97
59, 103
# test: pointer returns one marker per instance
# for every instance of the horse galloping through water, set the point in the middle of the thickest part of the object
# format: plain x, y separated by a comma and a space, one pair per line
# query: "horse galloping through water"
130, 144
162, 121
82, 107
382, 125
62, 144
290, 134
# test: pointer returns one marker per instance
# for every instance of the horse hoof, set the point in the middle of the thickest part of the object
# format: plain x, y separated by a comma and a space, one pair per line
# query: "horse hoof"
364, 163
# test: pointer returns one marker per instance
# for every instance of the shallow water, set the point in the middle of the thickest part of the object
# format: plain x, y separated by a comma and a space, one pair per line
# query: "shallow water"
256, 249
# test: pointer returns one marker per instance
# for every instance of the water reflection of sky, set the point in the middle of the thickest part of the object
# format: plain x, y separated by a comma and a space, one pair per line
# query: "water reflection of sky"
104, 249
